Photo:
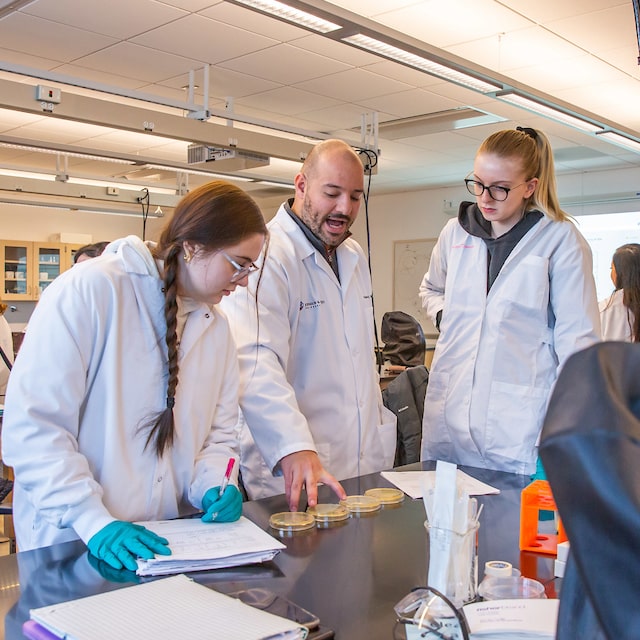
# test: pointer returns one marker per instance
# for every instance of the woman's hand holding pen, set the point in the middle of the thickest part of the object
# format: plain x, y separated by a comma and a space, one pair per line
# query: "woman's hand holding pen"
225, 508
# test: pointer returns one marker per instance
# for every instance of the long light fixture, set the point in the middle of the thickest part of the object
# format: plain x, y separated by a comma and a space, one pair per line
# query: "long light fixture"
70, 154
620, 140
549, 112
198, 172
290, 14
421, 63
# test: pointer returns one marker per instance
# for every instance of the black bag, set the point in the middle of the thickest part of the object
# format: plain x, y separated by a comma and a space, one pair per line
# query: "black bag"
403, 338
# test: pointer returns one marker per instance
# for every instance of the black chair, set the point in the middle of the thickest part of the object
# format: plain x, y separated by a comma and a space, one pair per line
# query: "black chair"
590, 448
403, 337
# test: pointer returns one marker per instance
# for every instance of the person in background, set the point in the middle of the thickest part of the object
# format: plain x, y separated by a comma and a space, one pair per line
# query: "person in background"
6, 343
511, 288
89, 251
123, 403
310, 396
620, 312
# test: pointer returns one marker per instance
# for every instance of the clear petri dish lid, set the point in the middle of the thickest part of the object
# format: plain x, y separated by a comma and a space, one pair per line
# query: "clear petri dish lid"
386, 495
328, 513
361, 504
292, 521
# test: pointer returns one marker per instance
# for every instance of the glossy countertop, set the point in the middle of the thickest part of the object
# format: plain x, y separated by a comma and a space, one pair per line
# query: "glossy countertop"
349, 575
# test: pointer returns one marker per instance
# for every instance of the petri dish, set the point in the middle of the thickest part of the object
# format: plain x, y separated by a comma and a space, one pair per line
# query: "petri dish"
327, 514
386, 495
361, 504
292, 521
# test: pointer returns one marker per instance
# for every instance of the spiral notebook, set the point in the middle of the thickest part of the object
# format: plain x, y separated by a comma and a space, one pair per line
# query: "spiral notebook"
166, 609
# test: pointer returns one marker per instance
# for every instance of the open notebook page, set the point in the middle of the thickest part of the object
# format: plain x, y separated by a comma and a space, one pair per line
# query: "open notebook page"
165, 609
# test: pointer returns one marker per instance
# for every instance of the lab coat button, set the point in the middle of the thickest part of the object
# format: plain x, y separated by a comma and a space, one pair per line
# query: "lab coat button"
206, 315
159, 478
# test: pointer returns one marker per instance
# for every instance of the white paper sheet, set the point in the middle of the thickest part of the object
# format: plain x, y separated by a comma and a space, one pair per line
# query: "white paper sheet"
197, 545
506, 619
411, 482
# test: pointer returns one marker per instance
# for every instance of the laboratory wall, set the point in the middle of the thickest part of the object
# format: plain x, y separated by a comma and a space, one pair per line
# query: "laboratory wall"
409, 216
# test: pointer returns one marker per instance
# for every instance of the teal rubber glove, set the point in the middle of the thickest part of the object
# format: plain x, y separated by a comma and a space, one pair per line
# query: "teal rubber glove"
120, 543
540, 473
111, 574
227, 508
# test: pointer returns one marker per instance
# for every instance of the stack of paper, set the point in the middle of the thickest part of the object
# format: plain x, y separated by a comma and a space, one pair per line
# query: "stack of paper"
165, 609
531, 619
196, 545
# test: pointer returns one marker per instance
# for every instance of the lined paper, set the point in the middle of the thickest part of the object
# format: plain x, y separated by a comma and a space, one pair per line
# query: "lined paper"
166, 609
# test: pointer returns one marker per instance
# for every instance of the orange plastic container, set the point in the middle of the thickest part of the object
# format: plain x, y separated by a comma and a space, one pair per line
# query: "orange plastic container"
535, 498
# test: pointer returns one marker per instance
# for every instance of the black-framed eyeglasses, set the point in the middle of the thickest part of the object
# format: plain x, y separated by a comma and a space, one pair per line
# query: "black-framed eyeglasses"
497, 193
240, 271
432, 615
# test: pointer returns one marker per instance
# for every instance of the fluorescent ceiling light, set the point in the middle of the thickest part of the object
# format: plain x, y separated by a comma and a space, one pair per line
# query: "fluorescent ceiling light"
271, 183
296, 16
120, 185
47, 177
421, 63
549, 112
70, 154
620, 140
14, 173
198, 172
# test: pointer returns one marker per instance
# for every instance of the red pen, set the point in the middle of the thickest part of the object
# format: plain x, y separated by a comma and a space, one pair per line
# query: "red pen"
227, 475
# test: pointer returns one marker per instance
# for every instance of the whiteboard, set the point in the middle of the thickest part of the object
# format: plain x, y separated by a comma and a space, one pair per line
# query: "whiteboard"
410, 263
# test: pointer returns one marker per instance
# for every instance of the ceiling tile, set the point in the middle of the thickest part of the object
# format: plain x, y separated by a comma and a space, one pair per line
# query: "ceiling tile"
545, 11
138, 62
39, 37
409, 103
353, 85
203, 39
288, 101
285, 64
117, 18
335, 50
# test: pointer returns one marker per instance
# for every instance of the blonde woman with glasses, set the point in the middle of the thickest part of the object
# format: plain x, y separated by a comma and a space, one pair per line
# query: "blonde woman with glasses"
510, 287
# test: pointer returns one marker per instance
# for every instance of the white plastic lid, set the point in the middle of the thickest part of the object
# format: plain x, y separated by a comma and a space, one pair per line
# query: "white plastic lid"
497, 569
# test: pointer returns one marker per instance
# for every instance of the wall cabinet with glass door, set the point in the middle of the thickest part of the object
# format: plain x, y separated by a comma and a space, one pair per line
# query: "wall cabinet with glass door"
28, 268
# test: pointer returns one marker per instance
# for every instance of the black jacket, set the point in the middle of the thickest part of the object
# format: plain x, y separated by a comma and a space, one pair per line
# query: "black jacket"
590, 448
405, 397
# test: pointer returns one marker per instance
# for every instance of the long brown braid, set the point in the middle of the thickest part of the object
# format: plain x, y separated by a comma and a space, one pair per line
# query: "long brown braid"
213, 216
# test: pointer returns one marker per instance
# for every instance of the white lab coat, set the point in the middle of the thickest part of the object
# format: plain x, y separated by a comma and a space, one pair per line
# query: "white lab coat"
616, 318
92, 369
499, 353
6, 342
311, 382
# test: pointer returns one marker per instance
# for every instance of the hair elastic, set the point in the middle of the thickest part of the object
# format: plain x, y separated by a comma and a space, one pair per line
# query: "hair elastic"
529, 131
171, 401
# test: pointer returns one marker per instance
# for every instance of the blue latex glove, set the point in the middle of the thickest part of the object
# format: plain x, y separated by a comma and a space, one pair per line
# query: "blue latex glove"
227, 508
120, 543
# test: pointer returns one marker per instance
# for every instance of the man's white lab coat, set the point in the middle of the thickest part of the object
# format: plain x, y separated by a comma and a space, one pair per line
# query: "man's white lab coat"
92, 369
310, 383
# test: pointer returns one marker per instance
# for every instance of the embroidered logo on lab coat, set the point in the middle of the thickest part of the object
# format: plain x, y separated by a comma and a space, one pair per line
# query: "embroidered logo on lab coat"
310, 305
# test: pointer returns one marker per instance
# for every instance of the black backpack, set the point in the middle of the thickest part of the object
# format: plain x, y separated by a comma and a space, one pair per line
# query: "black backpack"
403, 338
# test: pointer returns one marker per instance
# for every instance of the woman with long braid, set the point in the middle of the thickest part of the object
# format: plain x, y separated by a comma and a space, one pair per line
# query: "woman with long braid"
123, 403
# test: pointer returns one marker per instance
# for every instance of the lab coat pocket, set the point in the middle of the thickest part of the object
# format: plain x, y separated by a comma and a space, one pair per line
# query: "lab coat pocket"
514, 419
388, 434
528, 282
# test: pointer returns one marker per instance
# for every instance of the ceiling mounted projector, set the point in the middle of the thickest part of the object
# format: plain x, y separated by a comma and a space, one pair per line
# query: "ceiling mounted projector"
225, 159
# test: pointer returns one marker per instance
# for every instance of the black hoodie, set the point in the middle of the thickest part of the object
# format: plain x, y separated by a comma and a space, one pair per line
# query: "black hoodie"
472, 221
